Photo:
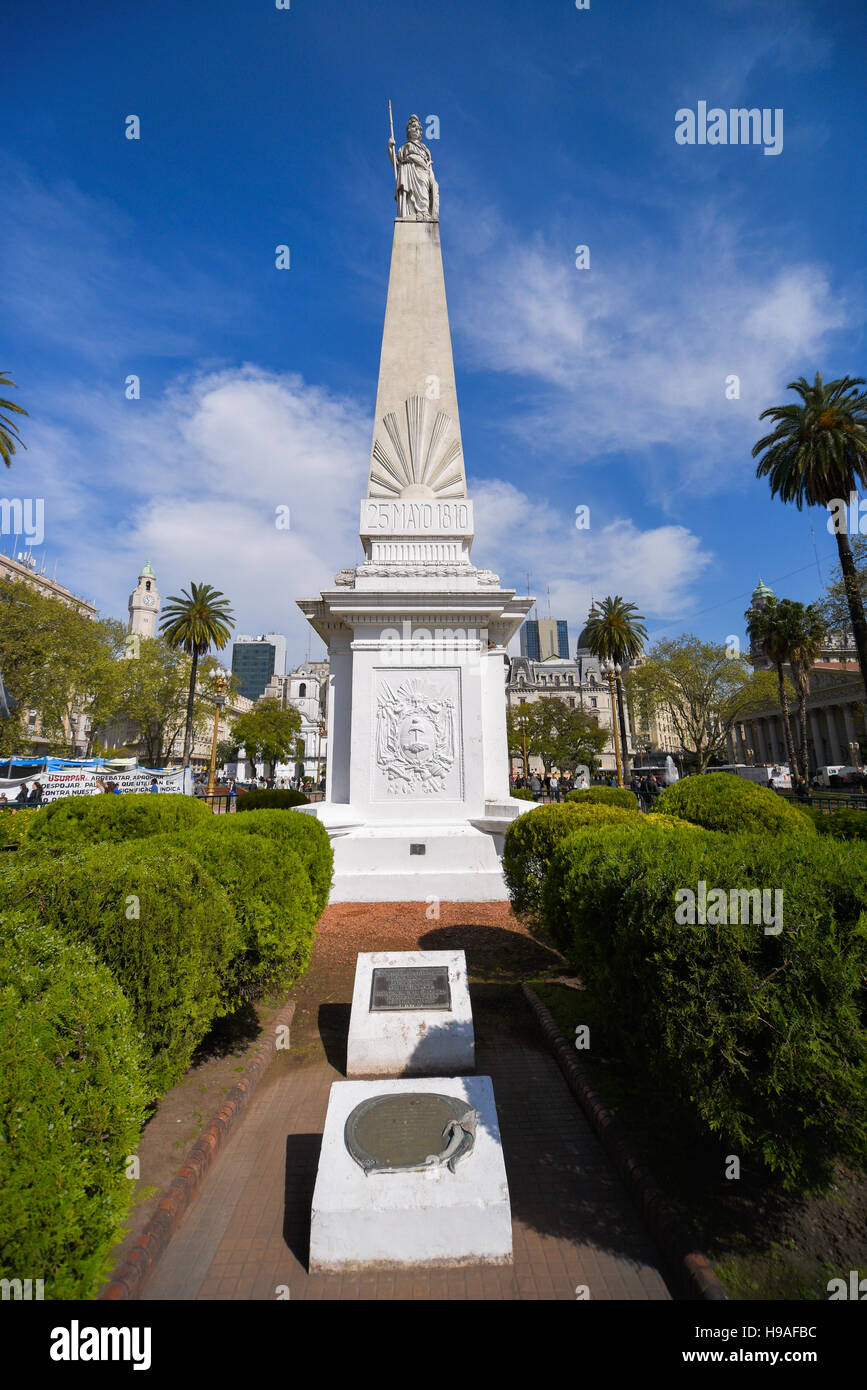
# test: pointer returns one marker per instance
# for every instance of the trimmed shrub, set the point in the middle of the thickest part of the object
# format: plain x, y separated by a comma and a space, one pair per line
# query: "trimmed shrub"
722, 801
160, 923
97, 819
72, 1104
756, 1033
523, 794
532, 839
15, 824
270, 891
604, 796
274, 800
303, 834
843, 825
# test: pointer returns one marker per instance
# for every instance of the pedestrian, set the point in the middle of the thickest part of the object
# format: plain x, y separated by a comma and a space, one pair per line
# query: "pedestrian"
155, 786
554, 787
535, 787
35, 797
22, 793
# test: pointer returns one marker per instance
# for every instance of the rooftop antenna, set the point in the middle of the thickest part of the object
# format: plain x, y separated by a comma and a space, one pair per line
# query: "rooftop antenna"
548, 592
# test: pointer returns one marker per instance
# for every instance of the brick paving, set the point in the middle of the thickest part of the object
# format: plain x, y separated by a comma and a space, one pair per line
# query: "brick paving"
573, 1224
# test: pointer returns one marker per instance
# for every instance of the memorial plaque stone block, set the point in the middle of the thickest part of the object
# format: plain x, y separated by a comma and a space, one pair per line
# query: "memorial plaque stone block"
410, 987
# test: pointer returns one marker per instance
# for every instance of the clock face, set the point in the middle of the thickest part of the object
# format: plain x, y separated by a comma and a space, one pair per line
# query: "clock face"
148, 600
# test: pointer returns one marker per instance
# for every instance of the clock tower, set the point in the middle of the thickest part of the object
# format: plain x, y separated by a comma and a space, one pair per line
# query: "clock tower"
144, 605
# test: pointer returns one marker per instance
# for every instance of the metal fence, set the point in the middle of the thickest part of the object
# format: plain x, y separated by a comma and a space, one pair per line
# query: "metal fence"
828, 804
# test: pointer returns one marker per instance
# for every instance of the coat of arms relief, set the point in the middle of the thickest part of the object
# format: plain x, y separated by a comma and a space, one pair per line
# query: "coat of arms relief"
416, 737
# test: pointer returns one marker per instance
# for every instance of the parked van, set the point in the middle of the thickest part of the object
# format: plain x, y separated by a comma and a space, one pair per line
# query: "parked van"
776, 775
835, 775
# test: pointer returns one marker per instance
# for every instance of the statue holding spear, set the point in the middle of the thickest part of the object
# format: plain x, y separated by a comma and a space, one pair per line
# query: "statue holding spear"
415, 188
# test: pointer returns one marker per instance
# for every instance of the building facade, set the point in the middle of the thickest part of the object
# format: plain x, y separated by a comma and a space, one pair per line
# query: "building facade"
579, 683
836, 710
542, 638
306, 689
255, 660
144, 605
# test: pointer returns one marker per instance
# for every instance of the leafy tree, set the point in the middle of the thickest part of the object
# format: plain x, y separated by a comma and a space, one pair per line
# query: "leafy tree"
199, 620
227, 751
268, 732
773, 628
152, 703
706, 690
559, 736
520, 731
835, 604
9, 435
615, 632
56, 661
809, 624
818, 454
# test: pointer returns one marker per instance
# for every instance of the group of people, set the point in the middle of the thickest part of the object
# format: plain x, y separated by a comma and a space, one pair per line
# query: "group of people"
27, 796
647, 788
547, 785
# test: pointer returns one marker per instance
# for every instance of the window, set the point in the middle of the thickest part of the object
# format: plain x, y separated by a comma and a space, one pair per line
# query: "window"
148, 585
593, 703
302, 689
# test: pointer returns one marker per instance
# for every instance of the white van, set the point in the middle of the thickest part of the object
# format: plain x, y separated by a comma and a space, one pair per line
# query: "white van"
776, 775
824, 774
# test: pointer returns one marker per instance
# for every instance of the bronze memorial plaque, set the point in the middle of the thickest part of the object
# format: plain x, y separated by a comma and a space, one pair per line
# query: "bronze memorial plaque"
410, 987
410, 1131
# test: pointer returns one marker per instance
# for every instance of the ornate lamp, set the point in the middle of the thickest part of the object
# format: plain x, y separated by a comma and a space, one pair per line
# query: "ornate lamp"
220, 682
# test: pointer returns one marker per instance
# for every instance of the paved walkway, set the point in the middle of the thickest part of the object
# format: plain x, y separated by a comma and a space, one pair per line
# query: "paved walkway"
573, 1223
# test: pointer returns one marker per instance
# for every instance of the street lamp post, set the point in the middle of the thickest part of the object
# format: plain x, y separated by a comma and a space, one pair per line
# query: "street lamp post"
220, 681
611, 671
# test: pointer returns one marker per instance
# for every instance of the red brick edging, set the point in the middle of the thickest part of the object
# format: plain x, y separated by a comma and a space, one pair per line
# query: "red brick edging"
128, 1279
664, 1223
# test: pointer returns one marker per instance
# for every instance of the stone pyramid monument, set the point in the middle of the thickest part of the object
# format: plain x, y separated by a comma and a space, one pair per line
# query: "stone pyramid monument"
417, 798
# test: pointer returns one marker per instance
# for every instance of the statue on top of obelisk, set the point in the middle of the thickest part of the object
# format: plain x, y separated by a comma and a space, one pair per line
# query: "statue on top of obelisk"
415, 188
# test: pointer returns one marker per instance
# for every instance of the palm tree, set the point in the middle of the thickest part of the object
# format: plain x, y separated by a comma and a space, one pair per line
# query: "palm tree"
615, 631
8, 431
808, 631
771, 628
196, 622
817, 454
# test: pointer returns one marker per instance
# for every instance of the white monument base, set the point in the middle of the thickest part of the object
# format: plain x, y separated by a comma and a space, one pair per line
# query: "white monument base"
410, 1042
399, 1219
457, 862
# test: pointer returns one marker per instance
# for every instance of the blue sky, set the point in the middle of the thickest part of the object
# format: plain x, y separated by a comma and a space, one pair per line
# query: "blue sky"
603, 387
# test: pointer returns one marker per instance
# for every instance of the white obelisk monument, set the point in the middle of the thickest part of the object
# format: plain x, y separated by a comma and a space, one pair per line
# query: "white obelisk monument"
417, 797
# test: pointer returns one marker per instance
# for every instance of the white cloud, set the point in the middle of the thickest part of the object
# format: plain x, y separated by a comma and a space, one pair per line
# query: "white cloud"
516, 535
197, 479
634, 353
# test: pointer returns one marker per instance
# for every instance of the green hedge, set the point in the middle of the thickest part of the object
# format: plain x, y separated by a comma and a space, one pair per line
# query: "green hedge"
523, 794
758, 1035
722, 801
270, 891
843, 825
15, 824
532, 839
299, 832
165, 929
260, 800
131, 816
72, 1104
604, 796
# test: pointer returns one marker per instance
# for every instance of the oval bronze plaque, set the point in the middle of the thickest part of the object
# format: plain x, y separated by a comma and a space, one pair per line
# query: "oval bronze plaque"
410, 1131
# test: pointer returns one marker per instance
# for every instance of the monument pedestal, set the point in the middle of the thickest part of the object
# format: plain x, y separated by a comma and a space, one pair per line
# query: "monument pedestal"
400, 1219
411, 1015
